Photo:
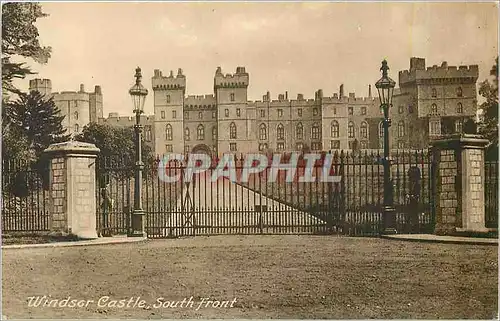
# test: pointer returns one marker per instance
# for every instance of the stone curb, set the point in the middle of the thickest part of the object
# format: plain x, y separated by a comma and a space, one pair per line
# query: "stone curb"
438, 239
99, 241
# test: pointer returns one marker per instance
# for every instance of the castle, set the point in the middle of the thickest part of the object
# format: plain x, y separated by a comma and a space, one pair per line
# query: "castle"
227, 122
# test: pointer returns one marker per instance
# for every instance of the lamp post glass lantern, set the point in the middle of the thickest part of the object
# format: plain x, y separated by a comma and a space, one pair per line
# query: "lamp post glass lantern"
138, 94
385, 87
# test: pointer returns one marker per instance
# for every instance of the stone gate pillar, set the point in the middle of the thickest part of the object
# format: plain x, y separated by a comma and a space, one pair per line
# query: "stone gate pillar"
72, 189
459, 184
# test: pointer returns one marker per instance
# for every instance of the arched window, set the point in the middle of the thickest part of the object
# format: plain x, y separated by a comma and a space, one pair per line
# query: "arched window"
334, 129
187, 135
168, 132
460, 108
299, 131
214, 134
434, 109
200, 132
262, 132
433, 92
77, 128
459, 92
350, 130
315, 132
401, 128
381, 129
363, 130
232, 131
76, 115
280, 132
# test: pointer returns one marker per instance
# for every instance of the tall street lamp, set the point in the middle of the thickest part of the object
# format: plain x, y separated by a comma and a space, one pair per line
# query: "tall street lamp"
138, 94
385, 87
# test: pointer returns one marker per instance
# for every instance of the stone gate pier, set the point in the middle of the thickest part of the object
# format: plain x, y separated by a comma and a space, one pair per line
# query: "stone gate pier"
72, 189
459, 184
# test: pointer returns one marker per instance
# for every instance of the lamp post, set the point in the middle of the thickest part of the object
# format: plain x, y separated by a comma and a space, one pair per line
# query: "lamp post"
138, 94
385, 87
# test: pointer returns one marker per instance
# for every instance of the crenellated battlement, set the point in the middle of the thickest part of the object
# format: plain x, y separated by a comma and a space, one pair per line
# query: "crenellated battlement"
160, 82
240, 79
418, 72
200, 102
116, 119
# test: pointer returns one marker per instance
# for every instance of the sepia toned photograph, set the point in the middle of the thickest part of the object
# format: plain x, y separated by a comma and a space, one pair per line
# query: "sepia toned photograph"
249, 160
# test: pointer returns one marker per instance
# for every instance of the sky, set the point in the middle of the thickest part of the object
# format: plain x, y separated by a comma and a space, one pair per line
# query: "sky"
284, 46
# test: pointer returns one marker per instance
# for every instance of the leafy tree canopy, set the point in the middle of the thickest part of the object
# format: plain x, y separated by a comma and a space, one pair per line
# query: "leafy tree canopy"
20, 40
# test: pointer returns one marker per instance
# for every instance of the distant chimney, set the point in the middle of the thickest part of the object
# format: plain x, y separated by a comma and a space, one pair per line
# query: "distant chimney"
341, 91
280, 97
82, 88
300, 97
286, 95
179, 72
444, 64
352, 95
320, 93
171, 73
369, 91
98, 90
335, 95
218, 71
268, 96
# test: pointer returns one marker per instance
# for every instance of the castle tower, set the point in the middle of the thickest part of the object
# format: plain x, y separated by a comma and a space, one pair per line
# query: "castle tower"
231, 96
168, 109
44, 86
95, 105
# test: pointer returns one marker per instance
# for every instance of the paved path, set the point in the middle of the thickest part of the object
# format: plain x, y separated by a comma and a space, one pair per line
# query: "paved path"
443, 239
224, 204
99, 241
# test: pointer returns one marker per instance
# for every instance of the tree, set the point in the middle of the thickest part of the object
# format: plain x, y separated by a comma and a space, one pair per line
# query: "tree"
36, 120
489, 124
20, 40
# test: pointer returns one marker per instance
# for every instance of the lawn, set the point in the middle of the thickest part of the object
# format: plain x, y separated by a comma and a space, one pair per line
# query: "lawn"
269, 276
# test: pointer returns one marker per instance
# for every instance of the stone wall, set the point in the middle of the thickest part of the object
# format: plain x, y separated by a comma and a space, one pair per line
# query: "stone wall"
447, 203
59, 180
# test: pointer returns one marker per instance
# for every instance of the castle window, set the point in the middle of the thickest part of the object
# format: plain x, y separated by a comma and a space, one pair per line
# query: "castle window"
316, 146
459, 125
232, 147
401, 109
162, 114
435, 127
200, 115
315, 132
168, 99
174, 114
147, 131
299, 112
401, 144
262, 147
232, 131
334, 129
226, 112
186, 149
381, 129
350, 111
299, 146
262, 132
410, 109
433, 92
214, 133
335, 110
434, 109
280, 112
200, 132
168, 132
315, 111
77, 128
335, 144
186, 115
169, 148
232, 96
401, 128
214, 114
459, 92
299, 131
364, 130
187, 134
280, 132
262, 113
76, 115
238, 112
363, 144
280, 146
460, 108
363, 110
350, 130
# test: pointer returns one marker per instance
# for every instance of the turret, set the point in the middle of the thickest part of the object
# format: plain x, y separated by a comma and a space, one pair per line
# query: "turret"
44, 86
